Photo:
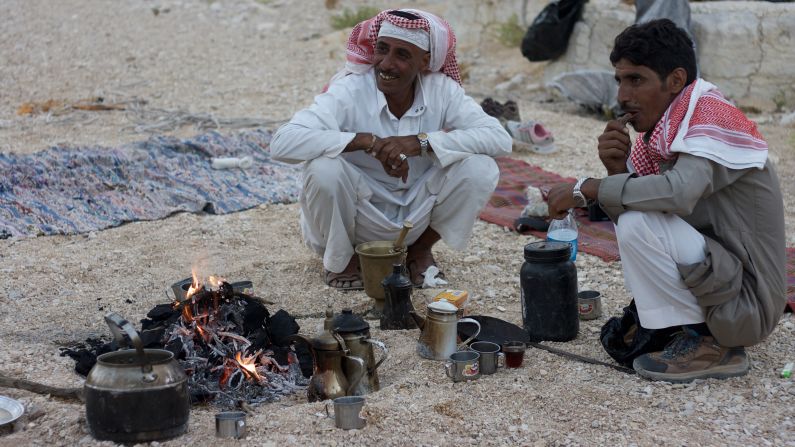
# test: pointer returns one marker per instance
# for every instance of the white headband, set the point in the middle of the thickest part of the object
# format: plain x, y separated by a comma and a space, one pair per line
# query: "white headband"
416, 36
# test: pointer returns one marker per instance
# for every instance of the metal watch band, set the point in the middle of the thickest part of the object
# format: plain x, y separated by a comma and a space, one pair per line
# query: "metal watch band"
578, 195
423, 137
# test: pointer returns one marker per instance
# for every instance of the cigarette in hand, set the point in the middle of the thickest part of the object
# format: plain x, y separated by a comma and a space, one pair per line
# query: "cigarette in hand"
624, 119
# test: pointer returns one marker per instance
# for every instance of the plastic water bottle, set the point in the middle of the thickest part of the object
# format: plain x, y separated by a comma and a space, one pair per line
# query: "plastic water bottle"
564, 230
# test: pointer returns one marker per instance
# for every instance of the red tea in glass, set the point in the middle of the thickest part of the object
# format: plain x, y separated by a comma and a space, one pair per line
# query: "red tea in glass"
514, 353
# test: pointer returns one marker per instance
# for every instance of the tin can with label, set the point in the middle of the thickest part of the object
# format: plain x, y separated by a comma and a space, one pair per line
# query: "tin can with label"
589, 304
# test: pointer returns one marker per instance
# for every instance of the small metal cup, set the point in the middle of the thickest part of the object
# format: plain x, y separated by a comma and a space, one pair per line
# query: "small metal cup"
589, 305
463, 365
230, 424
346, 412
490, 356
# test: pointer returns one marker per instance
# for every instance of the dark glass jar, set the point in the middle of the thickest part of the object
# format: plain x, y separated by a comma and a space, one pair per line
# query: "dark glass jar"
549, 292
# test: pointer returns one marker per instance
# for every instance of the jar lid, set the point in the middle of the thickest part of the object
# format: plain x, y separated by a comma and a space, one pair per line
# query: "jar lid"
547, 251
347, 321
443, 306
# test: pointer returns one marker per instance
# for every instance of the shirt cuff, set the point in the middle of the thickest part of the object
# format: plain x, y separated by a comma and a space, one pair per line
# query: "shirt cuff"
611, 189
345, 138
440, 156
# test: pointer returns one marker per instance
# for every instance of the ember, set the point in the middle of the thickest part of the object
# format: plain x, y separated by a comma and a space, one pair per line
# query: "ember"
230, 346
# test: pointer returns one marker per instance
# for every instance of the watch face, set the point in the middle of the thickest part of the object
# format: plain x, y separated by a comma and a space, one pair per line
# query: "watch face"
422, 136
581, 200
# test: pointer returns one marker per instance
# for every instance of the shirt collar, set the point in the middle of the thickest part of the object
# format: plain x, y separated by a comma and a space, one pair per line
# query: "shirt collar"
417, 108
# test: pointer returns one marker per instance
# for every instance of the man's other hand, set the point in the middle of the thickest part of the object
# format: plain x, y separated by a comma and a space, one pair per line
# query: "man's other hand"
614, 147
560, 199
389, 150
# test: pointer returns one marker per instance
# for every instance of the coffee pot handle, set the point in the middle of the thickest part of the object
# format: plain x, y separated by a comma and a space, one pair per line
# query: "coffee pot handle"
362, 371
383, 349
448, 366
476, 323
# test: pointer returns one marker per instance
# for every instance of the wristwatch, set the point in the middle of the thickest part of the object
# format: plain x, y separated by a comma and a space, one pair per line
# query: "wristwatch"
423, 137
579, 197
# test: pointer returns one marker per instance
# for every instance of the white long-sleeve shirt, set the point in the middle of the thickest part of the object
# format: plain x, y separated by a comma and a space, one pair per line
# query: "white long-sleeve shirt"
456, 126
457, 129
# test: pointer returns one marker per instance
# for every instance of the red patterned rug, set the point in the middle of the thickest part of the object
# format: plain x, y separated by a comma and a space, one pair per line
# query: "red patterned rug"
595, 238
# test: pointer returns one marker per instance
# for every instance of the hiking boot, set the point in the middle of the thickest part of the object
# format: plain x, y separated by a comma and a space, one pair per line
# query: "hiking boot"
691, 356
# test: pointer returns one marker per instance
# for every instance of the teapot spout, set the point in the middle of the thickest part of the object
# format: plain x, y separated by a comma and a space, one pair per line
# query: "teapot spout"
418, 319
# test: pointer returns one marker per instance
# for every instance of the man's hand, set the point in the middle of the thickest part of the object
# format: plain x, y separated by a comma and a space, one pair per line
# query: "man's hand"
614, 146
389, 150
560, 199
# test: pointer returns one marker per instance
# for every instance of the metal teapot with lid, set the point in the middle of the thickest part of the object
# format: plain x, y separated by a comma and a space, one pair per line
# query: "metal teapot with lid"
135, 395
356, 333
328, 352
439, 330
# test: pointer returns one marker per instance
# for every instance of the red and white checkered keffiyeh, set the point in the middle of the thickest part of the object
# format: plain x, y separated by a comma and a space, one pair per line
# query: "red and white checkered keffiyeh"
701, 122
361, 43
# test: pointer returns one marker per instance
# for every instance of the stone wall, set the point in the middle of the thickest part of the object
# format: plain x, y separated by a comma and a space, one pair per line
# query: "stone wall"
747, 48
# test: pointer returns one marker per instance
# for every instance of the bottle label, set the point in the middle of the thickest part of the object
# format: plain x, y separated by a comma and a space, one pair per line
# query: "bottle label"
565, 235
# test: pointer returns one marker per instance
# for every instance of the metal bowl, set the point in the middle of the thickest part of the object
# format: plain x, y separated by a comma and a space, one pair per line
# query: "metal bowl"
10, 411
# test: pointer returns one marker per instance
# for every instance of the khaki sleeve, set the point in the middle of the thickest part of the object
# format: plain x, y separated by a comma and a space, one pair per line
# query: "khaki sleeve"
676, 191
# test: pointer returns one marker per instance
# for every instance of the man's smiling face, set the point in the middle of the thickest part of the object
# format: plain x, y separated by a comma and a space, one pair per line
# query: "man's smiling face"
397, 64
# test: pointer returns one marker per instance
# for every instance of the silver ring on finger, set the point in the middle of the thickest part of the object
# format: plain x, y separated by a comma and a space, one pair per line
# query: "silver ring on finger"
402, 157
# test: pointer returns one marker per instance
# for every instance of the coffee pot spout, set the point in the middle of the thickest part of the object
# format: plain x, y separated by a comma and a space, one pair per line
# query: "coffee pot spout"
418, 319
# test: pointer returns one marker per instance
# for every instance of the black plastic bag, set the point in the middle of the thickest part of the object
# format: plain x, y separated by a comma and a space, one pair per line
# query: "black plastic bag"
548, 35
625, 339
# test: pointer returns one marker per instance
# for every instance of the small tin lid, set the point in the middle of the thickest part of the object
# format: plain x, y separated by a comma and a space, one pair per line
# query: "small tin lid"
443, 306
347, 321
547, 251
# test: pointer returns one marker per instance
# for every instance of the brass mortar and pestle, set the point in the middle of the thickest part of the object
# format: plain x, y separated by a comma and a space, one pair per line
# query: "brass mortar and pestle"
376, 259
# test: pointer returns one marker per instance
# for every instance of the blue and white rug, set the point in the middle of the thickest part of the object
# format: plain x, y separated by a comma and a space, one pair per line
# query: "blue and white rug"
64, 190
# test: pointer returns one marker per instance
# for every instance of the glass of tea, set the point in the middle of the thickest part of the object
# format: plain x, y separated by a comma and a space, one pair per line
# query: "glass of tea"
514, 353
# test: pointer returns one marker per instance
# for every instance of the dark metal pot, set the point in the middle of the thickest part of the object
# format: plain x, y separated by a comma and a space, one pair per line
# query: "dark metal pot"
136, 395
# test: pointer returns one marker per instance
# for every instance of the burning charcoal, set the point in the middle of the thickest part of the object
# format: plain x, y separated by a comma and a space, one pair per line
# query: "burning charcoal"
255, 317
282, 325
153, 338
199, 396
176, 347
85, 354
224, 340
161, 312
260, 340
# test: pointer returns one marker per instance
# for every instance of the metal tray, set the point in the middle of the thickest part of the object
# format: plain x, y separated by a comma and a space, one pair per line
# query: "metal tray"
10, 411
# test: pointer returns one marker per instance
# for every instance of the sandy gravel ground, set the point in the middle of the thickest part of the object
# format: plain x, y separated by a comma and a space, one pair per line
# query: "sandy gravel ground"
263, 60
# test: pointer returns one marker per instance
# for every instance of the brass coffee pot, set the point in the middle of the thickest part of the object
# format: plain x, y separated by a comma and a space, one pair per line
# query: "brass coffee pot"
356, 333
329, 350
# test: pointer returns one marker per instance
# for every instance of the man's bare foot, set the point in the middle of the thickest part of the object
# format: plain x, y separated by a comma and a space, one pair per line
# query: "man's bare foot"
418, 259
348, 279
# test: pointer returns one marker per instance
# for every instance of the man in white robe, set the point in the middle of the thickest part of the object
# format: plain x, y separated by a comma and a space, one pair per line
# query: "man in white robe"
394, 138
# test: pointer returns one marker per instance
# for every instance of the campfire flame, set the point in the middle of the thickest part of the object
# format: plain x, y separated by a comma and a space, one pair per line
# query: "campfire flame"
247, 364
201, 314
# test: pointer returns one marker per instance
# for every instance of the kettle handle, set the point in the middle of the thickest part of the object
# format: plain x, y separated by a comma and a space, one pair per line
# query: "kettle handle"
380, 346
120, 327
362, 371
476, 323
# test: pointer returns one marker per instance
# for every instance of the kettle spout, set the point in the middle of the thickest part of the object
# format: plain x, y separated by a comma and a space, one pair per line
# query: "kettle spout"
418, 319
